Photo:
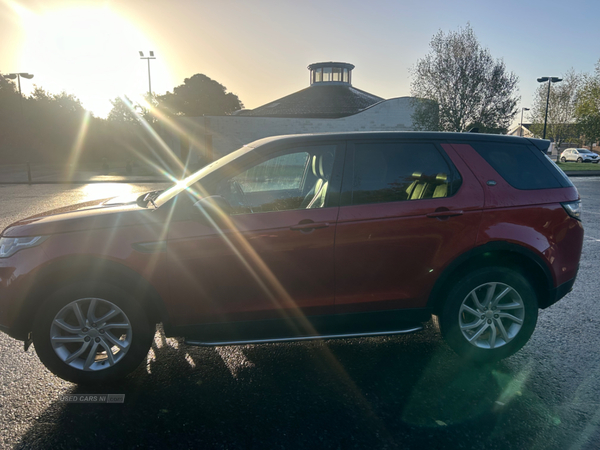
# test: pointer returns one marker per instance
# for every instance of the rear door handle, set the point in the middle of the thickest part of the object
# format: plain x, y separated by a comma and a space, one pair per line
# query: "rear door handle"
309, 226
445, 214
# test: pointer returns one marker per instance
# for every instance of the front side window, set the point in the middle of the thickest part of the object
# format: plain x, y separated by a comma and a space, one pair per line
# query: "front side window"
393, 172
296, 179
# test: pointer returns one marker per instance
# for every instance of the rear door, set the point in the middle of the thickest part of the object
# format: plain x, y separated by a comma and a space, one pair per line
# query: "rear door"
406, 211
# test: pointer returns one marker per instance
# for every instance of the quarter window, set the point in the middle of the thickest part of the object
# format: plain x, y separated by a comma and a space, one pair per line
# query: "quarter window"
519, 165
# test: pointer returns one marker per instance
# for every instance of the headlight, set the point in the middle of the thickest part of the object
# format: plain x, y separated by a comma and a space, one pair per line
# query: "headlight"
10, 246
573, 209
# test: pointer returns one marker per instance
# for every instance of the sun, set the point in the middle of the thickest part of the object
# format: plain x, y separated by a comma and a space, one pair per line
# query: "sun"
91, 52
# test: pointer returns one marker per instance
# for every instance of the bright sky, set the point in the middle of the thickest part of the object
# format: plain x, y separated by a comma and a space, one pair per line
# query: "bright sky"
259, 49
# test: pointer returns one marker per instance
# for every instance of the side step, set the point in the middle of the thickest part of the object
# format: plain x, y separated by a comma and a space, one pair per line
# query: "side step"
304, 338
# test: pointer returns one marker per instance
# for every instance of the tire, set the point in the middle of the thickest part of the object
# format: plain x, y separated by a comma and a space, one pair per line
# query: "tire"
579, 160
563, 159
74, 345
476, 332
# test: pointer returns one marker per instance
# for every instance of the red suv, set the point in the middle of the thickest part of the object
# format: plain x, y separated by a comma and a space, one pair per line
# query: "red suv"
302, 237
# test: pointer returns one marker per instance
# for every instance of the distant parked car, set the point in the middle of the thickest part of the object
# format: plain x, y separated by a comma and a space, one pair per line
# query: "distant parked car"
579, 155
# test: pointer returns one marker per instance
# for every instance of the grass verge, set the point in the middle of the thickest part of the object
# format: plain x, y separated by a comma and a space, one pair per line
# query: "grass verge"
572, 167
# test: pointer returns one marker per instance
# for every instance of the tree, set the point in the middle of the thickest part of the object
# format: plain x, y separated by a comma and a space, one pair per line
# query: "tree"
468, 85
561, 109
123, 110
199, 96
587, 107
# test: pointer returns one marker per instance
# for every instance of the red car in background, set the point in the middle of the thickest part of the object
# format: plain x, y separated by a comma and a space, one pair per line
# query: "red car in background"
302, 237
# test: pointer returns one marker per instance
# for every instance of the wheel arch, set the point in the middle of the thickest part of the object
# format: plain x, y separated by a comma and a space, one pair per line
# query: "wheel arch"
92, 269
505, 254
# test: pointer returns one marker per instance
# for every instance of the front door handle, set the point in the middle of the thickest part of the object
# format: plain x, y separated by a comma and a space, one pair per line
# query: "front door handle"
308, 226
445, 213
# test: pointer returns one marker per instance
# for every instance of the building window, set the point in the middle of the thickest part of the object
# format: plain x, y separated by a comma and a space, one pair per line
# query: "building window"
327, 74
345, 76
336, 74
318, 75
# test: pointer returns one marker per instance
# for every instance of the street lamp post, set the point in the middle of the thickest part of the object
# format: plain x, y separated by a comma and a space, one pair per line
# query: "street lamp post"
12, 76
521, 129
550, 80
148, 58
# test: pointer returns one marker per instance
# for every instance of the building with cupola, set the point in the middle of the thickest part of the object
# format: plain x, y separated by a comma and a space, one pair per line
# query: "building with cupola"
329, 104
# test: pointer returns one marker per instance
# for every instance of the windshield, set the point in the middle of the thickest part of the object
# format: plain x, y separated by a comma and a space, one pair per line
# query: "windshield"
184, 184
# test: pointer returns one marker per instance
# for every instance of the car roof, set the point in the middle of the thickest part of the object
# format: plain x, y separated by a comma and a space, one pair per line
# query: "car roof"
416, 135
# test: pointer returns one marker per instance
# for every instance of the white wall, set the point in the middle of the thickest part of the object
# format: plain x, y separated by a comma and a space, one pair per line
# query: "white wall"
231, 132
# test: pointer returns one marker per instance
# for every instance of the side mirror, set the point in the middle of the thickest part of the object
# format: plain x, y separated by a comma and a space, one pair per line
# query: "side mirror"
211, 209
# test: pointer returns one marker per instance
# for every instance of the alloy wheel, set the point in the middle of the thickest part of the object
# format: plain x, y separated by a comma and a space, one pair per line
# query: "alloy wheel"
91, 334
491, 315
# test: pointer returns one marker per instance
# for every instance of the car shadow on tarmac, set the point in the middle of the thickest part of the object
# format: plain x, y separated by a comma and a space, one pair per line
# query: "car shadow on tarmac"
386, 392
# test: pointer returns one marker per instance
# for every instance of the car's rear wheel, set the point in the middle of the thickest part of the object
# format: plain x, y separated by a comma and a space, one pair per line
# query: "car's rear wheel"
91, 333
563, 159
489, 314
579, 160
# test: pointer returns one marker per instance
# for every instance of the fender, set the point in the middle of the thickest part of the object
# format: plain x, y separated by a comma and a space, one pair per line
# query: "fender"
91, 269
496, 252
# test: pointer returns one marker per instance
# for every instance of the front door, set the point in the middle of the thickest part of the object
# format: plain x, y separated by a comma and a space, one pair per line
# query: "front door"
272, 256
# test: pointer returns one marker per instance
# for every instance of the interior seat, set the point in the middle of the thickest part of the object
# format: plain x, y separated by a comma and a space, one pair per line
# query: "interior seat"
441, 190
417, 188
321, 167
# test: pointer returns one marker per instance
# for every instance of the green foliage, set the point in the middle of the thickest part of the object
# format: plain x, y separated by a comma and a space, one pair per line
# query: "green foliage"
468, 85
199, 96
123, 111
587, 107
46, 127
426, 115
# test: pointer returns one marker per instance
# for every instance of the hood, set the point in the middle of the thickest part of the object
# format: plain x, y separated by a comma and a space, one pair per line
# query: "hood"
105, 213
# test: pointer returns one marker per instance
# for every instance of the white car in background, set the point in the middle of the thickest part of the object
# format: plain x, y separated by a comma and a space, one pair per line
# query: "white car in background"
579, 155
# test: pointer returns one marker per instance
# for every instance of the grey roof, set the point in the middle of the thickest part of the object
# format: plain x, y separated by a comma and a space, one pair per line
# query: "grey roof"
324, 101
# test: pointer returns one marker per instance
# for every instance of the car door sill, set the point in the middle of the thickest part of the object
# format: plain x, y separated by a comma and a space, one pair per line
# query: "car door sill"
304, 338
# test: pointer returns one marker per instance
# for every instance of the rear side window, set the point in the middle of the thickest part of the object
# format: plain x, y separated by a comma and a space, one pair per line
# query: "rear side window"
521, 166
395, 172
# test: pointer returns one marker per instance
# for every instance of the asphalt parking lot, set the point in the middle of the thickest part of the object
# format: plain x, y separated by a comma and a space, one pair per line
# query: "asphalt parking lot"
373, 393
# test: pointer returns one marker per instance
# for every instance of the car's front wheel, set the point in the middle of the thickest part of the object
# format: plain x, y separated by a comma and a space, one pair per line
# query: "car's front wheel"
91, 333
489, 314
579, 160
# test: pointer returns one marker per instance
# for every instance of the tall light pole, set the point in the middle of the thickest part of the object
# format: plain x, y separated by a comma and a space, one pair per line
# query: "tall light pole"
550, 80
12, 76
521, 129
148, 58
